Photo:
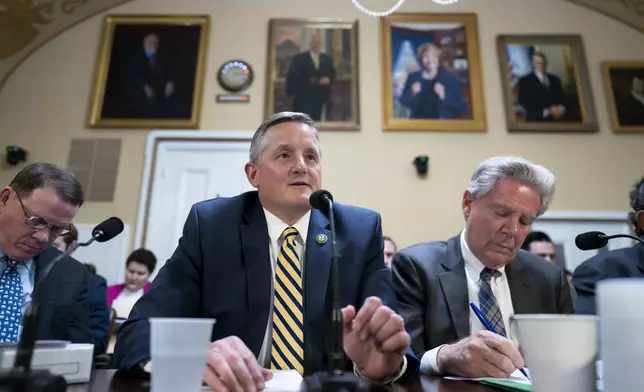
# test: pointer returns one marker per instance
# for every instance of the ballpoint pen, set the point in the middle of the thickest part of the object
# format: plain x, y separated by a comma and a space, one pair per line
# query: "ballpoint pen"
490, 328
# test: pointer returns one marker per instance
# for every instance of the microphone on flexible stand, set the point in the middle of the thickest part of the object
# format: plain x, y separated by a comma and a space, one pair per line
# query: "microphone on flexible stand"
22, 378
596, 240
336, 378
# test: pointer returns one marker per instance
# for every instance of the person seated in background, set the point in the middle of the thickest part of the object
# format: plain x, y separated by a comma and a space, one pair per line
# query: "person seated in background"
436, 281
35, 208
390, 250
139, 266
539, 244
618, 263
99, 313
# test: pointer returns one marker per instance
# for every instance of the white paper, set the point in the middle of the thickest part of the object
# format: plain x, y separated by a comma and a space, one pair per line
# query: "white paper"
284, 381
517, 376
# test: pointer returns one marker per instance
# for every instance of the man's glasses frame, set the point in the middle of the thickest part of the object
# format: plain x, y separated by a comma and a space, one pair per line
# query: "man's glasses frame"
38, 223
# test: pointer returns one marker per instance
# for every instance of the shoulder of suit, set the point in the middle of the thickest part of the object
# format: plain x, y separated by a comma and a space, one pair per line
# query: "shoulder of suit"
437, 249
537, 264
621, 256
226, 203
354, 211
67, 262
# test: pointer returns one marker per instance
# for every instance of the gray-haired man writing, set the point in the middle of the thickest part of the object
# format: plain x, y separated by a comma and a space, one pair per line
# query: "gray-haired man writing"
436, 281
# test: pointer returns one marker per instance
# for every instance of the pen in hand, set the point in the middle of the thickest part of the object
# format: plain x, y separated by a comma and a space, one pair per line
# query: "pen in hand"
487, 325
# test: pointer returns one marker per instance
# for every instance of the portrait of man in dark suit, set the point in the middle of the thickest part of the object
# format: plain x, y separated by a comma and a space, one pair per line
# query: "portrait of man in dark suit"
151, 73
627, 89
313, 71
544, 92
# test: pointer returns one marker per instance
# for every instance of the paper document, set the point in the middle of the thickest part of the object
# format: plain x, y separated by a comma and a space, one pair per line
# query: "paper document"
515, 377
284, 381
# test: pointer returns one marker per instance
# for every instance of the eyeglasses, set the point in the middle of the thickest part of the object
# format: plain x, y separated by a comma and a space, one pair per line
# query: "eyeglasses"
38, 223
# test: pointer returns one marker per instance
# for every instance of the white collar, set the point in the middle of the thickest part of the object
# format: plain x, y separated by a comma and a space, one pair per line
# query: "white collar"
276, 226
472, 264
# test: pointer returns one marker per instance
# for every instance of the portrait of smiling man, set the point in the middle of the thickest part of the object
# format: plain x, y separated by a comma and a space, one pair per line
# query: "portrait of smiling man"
259, 263
436, 281
35, 208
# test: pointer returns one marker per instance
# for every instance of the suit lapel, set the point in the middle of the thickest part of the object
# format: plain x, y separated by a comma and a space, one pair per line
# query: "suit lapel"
257, 264
521, 287
454, 286
317, 266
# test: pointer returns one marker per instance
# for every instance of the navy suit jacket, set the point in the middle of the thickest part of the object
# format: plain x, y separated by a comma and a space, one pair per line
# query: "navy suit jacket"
618, 263
222, 270
99, 313
64, 313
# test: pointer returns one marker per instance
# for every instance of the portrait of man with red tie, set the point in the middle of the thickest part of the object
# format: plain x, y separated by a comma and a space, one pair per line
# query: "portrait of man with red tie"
260, 264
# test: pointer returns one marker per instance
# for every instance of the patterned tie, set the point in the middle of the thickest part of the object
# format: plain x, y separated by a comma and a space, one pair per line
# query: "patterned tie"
287, 350
10, 301
488, 303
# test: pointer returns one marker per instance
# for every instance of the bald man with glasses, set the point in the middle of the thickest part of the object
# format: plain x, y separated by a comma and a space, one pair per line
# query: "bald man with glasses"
35, 208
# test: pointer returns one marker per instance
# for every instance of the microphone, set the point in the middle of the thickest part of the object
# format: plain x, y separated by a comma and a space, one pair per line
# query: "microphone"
336, 378
596, 239
22, 377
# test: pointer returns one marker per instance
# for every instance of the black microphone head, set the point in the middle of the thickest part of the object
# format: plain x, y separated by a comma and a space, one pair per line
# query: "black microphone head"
319, 200
591, 240
108, 229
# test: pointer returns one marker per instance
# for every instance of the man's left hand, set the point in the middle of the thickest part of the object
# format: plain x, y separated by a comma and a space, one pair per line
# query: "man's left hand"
375, 339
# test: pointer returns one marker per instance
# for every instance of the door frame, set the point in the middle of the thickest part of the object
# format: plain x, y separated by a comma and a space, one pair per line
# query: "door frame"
154, 140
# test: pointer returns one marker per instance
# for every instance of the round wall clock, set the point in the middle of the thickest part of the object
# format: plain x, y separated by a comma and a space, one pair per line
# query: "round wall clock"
235, 76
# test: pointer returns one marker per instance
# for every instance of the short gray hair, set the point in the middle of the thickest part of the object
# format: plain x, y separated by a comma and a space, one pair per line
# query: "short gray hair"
494, 169
258, 143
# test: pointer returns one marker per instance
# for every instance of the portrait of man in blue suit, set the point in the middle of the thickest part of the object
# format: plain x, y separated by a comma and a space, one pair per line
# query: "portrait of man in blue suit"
260, 264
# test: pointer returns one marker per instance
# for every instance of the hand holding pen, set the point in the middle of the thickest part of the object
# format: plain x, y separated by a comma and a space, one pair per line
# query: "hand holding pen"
488, 325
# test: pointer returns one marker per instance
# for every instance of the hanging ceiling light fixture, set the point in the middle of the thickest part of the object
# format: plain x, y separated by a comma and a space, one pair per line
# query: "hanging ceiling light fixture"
393, 9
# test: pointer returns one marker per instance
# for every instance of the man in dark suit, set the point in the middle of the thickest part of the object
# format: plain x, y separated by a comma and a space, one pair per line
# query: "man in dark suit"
99, 312
541, 93
230, 250
436, 281
35, 208
618, 263
308, 80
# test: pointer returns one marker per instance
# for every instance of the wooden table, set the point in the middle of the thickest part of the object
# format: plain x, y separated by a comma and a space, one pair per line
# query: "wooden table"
104, 381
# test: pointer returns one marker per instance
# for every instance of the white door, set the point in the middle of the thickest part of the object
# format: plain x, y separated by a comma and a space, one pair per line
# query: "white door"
186, 172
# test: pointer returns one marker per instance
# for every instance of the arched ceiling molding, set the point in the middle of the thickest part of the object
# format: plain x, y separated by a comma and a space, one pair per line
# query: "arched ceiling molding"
629, 12
27, 25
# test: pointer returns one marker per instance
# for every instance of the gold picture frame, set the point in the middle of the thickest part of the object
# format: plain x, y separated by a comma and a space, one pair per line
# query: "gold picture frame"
624, 83
149, 72
545, 82
312, 67
445, 94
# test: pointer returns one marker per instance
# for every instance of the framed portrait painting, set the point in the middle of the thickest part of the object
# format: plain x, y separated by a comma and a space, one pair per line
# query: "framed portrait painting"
313, 68
149, 72
545, 83
431, 73
624, 81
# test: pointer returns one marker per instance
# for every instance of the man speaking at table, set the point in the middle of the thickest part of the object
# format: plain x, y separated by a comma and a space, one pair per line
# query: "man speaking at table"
259, 263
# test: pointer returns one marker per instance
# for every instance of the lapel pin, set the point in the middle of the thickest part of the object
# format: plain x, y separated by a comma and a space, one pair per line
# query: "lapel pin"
321, 239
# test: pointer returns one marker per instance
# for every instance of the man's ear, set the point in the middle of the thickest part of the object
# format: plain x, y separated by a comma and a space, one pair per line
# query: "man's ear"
5, 194
467, 203
252, 174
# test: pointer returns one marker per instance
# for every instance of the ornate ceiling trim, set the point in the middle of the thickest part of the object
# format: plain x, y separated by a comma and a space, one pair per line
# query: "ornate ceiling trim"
27, 25
629, 12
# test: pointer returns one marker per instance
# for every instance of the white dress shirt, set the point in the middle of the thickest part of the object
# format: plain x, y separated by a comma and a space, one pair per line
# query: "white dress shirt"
275, 229
125, 301
500, 289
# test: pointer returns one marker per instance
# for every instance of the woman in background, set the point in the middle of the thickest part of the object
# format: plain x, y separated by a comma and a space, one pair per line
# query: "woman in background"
139, 266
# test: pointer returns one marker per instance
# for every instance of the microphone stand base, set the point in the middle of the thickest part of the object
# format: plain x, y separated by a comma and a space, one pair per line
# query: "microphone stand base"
329, 382
32, 381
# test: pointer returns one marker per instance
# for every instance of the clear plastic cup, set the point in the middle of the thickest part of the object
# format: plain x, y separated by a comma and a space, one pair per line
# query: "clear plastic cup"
179, 347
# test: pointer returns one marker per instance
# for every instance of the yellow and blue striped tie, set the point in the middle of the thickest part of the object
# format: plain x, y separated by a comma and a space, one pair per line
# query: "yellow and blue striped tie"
287, 350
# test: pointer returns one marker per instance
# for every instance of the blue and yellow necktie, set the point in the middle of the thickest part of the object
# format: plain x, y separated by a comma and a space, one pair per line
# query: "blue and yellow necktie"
10, 301
287, 350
